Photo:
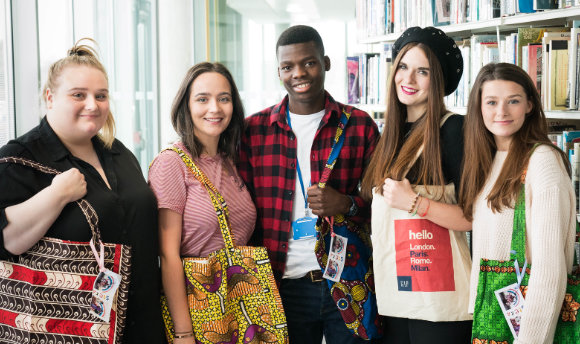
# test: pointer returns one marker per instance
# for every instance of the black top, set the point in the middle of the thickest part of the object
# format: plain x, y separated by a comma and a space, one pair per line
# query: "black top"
451, 136
127, 214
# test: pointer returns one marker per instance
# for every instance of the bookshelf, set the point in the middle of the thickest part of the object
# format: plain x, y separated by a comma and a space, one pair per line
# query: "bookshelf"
500, 27
509, 23
515, 39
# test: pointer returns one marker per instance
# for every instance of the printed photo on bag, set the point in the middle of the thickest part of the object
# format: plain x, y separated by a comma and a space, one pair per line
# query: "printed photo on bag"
103, 282
511, 302
337, 245
97, 306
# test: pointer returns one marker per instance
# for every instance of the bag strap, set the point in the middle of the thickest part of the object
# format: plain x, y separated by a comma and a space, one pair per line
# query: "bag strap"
420, 150
219, 203
336, 148
518, 245
87, 209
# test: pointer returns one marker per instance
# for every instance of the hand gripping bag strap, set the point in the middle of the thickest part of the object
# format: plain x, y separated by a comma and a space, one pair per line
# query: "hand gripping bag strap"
86, 207
354, 295
69, 270
232, 293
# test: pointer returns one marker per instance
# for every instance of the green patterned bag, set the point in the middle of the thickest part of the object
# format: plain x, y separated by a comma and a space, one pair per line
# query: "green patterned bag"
489, 324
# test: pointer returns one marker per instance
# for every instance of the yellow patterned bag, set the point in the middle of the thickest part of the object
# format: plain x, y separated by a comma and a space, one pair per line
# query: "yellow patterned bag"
232, 294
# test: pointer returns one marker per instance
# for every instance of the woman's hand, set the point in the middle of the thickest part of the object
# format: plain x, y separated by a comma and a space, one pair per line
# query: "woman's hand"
71, 185
398, 194
28, 221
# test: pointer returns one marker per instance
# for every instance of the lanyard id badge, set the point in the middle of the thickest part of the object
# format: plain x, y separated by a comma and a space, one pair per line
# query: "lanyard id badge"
304, 227
104, 288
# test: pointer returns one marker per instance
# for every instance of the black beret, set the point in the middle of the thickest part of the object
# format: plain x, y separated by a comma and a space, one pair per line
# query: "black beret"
443, 47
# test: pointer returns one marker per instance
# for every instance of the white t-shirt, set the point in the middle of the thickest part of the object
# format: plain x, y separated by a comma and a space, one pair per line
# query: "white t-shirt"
301, 257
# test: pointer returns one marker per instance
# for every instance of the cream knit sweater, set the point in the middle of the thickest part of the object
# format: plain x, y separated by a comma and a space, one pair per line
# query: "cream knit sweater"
550, 230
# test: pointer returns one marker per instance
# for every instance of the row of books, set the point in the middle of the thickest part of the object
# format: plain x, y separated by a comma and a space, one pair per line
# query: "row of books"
367, 76
549, 55
568, 139
381, 17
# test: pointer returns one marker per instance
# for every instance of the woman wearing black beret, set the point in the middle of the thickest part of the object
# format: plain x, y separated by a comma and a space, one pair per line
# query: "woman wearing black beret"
421, 256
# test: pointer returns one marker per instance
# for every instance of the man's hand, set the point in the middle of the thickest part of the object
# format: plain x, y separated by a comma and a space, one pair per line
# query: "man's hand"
327, 201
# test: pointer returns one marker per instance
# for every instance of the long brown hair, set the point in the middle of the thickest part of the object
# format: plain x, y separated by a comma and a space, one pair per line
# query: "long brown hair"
480, 147
393, 154
81, 55
181, 114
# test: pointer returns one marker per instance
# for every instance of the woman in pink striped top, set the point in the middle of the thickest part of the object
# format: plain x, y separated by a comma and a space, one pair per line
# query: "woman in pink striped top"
208, 115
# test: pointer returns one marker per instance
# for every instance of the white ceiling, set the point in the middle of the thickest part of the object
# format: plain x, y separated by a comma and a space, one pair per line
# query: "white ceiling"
296, 11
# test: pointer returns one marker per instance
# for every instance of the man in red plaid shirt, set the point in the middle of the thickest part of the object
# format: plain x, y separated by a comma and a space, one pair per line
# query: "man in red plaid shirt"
282, 156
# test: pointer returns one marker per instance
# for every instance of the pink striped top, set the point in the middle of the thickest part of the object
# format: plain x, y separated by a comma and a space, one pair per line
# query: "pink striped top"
177, 189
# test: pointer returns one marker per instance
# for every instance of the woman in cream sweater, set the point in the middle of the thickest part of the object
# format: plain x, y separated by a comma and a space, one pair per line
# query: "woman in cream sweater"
504, 123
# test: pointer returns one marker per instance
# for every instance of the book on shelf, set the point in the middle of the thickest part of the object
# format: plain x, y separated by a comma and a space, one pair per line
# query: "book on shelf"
546, 66
526, 6
440, 10
533, 35
353, 93
476, 61
545, 4
525, 58
578, 73
367, 76
507, 7
458, 11
573, 65
558, 87
568, 139
535, 64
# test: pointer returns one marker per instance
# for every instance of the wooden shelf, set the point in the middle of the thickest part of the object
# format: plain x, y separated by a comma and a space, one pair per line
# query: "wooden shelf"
508, 23
564, 115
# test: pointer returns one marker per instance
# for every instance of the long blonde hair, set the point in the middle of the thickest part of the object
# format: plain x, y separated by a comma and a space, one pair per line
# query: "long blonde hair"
82, 55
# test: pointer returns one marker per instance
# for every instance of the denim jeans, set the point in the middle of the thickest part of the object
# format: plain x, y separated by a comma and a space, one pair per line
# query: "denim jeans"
311, 312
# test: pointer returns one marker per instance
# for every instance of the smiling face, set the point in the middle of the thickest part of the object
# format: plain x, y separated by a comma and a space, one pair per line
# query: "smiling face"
504, 105
412, 81
301, 68
211, 107
78, 107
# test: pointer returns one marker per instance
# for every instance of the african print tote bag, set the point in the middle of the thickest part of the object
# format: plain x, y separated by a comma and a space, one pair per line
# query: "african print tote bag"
489, 323
354, 292
232, 294
46, 294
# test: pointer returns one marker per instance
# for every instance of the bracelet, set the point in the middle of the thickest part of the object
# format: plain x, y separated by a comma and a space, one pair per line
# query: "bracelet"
414, 203
417, 207
426, 209
183, 335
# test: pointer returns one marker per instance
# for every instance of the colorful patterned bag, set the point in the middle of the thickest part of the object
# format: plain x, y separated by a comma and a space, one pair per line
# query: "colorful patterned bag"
489, 324
232, 294
355, 293
46, 293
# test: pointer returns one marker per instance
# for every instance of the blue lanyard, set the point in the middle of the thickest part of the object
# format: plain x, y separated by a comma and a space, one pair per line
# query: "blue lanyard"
297, 163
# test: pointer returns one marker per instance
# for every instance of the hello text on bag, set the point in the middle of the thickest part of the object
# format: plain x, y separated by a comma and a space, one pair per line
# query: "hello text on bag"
424, 258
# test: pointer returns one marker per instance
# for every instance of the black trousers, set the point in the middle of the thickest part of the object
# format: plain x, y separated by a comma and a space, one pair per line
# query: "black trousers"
410, 331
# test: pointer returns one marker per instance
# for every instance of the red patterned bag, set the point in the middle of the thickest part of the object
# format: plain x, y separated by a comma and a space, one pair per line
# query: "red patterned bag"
46, 293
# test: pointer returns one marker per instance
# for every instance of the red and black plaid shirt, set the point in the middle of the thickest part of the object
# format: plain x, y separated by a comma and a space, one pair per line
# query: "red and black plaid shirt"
268, 166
